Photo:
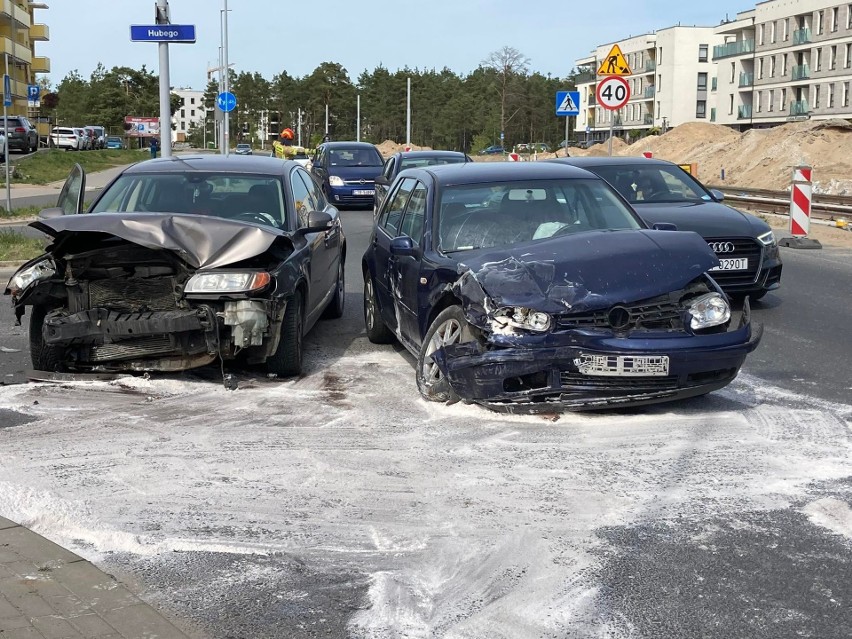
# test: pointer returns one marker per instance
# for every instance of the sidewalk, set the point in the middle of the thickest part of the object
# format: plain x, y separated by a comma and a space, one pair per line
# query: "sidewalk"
47, 592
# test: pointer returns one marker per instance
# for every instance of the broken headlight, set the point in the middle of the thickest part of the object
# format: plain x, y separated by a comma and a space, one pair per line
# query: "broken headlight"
525, 318
26, 277
709, 310
226, 282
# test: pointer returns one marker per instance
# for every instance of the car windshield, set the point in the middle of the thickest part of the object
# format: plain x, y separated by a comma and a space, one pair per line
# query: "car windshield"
243, 146
113, 139
229, 196
410, 163
652, 183
505, 213
354, 157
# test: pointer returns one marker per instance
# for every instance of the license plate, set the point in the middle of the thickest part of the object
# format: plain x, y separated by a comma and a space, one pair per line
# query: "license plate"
623, 365
731, 264
364, 192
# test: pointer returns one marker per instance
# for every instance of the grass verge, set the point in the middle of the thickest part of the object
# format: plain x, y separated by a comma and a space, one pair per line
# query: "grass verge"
15, 247
53, 165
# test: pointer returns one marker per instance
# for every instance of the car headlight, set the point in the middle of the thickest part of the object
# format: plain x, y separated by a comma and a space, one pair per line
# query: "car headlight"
525, 318
335, 180
767, 239
25, 278
709, 310
227, 282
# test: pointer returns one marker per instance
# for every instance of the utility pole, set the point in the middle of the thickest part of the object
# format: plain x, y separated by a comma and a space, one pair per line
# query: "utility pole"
162, 17
408, 115
326, 120
358, 120
7, 95
227, 140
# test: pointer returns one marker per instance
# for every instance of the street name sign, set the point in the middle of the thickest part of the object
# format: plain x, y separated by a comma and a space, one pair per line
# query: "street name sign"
162, 33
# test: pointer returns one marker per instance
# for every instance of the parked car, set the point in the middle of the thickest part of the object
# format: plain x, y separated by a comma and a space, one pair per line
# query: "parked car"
114, 142
64, 138
750, 262
99, 134
410, 159
532, 147
347, 172
22, 133
84, 142
179, 264
492, 150
93, 138
2, 144
243, 149
536, 287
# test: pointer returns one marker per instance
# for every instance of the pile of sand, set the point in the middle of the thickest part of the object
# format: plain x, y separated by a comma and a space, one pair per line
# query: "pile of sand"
389, 147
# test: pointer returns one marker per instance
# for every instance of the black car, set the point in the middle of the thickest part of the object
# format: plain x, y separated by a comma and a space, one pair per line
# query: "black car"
660, 191
181, 262
22, 133
535, 286
347, 172
413, 159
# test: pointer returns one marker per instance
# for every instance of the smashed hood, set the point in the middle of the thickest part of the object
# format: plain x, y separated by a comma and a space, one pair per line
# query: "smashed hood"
200, 240
587, 271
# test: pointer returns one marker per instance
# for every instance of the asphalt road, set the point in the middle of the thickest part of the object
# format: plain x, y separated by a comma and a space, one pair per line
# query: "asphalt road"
340, 505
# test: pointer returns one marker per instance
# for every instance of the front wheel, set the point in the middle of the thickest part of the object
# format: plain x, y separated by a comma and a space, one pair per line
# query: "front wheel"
45, 357
450, 327
286, 361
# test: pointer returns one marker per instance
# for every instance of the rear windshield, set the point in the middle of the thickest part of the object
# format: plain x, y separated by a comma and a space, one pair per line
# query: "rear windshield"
64, 131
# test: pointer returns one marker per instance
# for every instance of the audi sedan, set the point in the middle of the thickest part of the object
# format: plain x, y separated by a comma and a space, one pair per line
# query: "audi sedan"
659, 191
180, 263
535, 287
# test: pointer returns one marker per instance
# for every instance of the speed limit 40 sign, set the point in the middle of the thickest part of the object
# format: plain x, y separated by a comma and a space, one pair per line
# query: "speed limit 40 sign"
613, 92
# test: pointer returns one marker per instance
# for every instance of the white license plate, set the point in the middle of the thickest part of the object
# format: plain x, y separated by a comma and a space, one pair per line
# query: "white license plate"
731, 264
623, 365
364, 192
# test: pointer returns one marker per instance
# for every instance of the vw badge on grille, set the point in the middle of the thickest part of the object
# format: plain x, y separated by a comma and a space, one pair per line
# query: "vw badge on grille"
721, 247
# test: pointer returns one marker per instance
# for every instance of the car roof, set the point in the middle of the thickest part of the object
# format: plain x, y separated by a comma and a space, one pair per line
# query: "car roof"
430, 154
347, 145
477, 172
256, 164
610, 161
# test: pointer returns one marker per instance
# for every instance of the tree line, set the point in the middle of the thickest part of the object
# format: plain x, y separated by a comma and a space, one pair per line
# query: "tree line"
451, 111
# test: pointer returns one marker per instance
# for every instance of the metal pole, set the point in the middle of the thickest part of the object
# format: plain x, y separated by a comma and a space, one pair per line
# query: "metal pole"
326, 119
408, 115
6, 150
220, 121
298, 125
611, 129
227, 140
165, 88
566, 136
358, 120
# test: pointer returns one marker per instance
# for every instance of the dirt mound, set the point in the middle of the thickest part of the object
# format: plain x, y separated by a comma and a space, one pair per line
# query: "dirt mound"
602, 149
389, 147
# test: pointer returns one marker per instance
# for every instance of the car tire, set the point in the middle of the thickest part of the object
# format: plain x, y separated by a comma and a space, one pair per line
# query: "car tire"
45, 357
450, 327
286, 361
334, 310
377, 331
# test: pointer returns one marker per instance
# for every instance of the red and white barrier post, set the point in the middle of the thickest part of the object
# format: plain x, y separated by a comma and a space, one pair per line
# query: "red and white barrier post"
801, 193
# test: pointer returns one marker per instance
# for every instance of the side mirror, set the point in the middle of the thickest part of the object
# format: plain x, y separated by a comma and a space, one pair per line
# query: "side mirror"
717, 195
318, 221
51, 213
664, 226
402, 246
382, 180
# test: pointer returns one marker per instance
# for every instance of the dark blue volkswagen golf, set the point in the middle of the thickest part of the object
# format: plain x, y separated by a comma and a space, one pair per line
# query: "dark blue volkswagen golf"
536, 287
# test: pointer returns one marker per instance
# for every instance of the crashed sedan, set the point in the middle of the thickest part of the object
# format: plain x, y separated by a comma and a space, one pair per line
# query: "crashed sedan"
536, 287
181, 262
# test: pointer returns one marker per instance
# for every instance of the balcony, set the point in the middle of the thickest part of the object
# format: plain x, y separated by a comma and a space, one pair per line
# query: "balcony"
649, 92
593, 100
584, 76
39, 33
648, 119
713, 114
801, 36
41, 64
801, 72
738, 47
15, 50
799, 107
713, 83
746, 79
650, 66
9, 8
744, 112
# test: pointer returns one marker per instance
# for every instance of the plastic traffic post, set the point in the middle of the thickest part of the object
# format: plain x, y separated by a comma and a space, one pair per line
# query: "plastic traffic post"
514, 157
801, 191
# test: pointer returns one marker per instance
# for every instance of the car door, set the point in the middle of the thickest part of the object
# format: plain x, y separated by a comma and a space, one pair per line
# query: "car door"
71, 196
327, 257
303, 205
405, 269
318, 167
383, 182
387, 229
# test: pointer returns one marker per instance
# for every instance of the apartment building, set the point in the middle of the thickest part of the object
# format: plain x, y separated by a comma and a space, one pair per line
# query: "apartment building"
670, 83
190, 113
782, 61
19, 34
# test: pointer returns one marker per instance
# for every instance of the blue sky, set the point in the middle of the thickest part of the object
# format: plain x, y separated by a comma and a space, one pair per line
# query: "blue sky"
269, 36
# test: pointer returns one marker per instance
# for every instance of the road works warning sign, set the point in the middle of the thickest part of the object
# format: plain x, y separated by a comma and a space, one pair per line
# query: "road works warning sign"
615, 63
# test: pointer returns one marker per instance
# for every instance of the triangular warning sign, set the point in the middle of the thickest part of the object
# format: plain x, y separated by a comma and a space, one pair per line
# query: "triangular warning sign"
567, 104
615, 63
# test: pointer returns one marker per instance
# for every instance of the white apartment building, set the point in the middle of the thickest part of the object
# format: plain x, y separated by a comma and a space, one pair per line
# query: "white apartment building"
784, 60
190, 112
670, 83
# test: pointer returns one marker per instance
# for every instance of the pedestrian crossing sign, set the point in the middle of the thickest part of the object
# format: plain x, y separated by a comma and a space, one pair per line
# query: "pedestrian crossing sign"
567, 103
615, 63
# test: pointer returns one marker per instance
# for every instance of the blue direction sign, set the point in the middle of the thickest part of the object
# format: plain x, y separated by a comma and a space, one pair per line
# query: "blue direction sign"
7, 91
567, 103
162, 33
226, 101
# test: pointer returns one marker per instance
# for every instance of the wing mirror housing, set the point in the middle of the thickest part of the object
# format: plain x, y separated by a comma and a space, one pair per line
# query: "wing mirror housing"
318, 221
664, 226
717, 195
382, 180
403, 246
51, 213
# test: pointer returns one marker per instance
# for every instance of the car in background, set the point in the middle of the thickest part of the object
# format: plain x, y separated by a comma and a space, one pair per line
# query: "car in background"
347, 172
535, 287
243, 149
180, 264
84, 142
412, 159
114, 142
492, 150
64, 138
660, 191
2, 144
532, 147
93, 138
99, 134
22, 133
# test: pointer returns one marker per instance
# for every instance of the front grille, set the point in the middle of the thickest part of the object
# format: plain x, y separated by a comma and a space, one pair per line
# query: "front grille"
132, 295
131, 349
658, 313
367, 184
574, 379
743, 247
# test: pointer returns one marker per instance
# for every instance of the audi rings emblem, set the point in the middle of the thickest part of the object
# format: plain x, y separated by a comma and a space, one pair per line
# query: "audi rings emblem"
721, 247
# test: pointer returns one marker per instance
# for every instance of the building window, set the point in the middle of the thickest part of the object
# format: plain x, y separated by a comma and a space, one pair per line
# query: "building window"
757, 104
848, 61
702, 52
731, 104
660, 55
183, 113
786, 29
733, 71
772, 32
783, 103
816, 96
760, 69
772, 66
784, 65
832, 58
702, 81
192, 113
834, 13
771, 106
818, 64
659, 82
760, 35
849, 16
182, 125
846, 94
830, 104
819, 17
701, 109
